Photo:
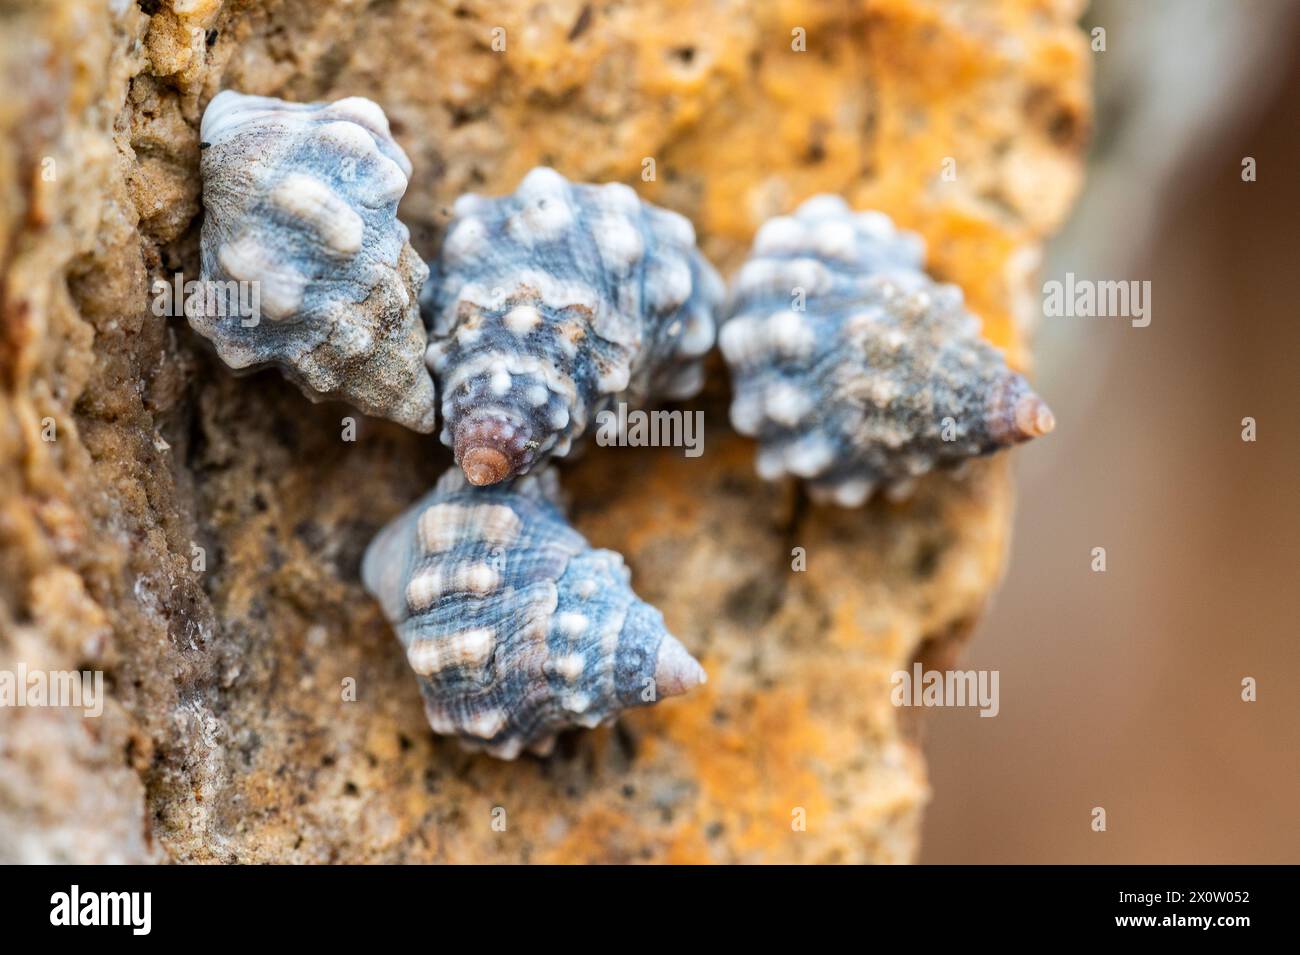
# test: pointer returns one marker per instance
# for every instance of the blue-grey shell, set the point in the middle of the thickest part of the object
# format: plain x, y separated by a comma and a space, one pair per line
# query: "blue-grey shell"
301, 203
549, 305
516, 627
854, 369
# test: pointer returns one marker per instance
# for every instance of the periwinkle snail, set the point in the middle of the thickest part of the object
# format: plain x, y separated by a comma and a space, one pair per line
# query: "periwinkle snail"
515, 626
301, 199
852, 368
552, 303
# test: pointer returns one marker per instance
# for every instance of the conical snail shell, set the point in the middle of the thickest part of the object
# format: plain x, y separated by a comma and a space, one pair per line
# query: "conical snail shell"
516, 627
301, 204
551, 304
854, 369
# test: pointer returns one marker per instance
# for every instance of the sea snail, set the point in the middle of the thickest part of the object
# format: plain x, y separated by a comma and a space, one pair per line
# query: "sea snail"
553, 303
852, 368
515, 626
301, 205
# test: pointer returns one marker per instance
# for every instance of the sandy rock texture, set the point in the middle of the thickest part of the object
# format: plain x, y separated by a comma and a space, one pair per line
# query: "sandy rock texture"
196, 537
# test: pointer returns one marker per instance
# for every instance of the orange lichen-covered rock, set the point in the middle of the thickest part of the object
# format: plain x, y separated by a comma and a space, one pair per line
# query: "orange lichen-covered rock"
198, 538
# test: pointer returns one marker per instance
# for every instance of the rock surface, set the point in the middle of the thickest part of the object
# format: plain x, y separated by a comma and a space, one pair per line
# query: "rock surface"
196, 537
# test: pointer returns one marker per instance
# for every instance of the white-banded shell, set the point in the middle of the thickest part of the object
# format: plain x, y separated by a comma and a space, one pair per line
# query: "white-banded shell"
551, 304
515, 626
854, 369
301, 207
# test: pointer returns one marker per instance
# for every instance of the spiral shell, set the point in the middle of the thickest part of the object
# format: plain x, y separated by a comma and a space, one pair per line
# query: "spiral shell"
551, 304
301, 202
516, 627
854, 369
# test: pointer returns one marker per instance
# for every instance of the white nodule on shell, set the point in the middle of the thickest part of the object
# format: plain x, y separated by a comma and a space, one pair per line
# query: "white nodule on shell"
620, 197
790, 334
467, 238
836, 240
500, 383
485, 724
545, 220
747, 411
771, 463
358, 109
469, 649
280, 287
779, 234
570, 666
893, 340
322, 210
468, 335
571, 624
674, 227
522, 319
576, 702
698, 334
481, 579
429, 585
823, 206
619, 242
876, 224
509, 748
443, 526
809, 456
423, 590
786, 404
543, 182
614, 379
383, 185
668, 284
783, 277
734, 340
355, 142
852, 493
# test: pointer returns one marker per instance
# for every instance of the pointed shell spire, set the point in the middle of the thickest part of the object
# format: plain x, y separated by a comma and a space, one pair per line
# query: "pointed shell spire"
515, 626
549, 305
301, 220
852, 368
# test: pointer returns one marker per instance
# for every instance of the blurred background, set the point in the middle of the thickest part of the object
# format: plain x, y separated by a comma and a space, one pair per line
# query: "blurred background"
1123, 689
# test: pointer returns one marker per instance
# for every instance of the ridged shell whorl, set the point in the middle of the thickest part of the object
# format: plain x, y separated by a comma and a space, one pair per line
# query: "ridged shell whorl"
516, 627
880, 376
301, 202
550, 304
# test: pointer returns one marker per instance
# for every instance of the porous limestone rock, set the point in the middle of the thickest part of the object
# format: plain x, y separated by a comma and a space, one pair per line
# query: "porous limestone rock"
198, 538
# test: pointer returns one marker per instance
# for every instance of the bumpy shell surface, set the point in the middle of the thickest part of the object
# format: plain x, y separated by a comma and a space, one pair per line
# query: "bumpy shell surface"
880, 376
516, 627
301, 200
551, 304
